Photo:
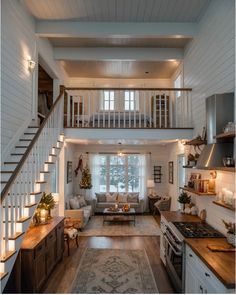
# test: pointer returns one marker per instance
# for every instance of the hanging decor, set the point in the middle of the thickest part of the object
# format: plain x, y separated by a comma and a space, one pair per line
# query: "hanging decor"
80, 165
86, 180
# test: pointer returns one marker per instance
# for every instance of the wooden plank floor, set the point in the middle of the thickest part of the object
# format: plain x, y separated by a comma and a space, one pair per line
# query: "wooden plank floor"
62, 277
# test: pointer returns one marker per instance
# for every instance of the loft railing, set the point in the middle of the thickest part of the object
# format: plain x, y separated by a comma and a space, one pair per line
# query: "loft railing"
16, 195
128, 108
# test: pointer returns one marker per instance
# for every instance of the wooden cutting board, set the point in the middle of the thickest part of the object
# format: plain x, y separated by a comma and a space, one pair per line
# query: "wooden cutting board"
220, 248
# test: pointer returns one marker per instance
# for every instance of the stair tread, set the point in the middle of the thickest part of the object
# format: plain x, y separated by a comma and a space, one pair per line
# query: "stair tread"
30, 205
7, 171
52, 155
41, 181
25, 139
16, 154
21, 220
49, 162
56, 147
7, 256
33, 127
35, 193
21, 147
7, 163
15, 236
4, 181
29, 133
2, 275
44, 171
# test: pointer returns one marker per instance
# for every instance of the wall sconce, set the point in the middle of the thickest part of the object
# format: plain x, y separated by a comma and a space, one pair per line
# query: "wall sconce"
31, 64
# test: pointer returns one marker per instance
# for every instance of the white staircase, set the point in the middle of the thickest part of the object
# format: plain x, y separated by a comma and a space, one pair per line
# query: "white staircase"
23, 179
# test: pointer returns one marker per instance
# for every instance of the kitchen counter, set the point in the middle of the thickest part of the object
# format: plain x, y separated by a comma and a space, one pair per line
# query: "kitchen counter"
171, 216
222, 264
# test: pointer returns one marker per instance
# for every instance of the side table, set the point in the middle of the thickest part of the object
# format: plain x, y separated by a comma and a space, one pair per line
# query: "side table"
151, 201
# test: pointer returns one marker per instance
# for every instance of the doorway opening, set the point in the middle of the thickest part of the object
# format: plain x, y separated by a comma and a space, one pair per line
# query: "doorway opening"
45, 93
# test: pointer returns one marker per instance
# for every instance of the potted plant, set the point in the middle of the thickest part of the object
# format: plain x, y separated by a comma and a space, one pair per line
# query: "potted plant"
230, 226
183, 199
47, 202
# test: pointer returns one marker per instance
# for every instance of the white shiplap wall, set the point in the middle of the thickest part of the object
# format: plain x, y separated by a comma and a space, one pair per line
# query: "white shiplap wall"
209, 58
18, 45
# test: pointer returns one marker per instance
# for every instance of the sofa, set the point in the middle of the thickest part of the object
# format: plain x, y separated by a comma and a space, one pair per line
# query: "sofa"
79, 208
106, 200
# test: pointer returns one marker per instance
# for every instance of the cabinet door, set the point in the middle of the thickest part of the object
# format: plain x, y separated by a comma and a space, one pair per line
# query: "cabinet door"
191, 282
60, 240
40, 271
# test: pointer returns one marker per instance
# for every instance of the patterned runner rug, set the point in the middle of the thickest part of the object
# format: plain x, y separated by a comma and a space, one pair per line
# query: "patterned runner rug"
114, 271
145, 225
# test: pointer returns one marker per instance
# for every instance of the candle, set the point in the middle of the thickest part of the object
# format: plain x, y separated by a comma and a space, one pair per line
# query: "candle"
43, 215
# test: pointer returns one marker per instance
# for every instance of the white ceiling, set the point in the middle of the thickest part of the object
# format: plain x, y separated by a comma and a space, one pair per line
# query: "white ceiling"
120, 69
118, 10
131, 12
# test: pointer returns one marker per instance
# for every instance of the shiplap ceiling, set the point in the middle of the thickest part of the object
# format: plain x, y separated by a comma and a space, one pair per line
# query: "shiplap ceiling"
118, 10
117, 24
120, 69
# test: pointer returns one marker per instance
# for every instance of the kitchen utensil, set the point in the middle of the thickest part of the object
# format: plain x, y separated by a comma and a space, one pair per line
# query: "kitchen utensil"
228, 161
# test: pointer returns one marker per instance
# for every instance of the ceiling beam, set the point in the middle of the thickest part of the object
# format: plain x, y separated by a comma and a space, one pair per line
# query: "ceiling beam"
117, 53
114, 29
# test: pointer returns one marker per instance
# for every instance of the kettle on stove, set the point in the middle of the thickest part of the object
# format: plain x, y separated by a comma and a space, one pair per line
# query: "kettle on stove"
203, 215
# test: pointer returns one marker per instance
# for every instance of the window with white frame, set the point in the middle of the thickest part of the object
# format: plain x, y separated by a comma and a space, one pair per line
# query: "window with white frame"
119, 173
108, 100
178, 84
130, 101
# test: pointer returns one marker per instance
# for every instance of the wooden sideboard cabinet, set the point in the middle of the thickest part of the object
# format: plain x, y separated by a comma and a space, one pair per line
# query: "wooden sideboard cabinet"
41, 250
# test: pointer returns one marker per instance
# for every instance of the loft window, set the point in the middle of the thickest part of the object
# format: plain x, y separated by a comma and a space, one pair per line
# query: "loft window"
130, 100
108, 100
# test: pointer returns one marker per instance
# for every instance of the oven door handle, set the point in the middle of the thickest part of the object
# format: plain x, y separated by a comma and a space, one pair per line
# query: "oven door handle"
172, 247
170, 238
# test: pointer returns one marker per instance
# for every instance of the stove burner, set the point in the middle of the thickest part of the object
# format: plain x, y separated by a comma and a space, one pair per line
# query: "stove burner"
197, 230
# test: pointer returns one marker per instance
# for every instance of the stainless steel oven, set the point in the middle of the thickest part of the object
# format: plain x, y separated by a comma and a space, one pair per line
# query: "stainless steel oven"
174, 250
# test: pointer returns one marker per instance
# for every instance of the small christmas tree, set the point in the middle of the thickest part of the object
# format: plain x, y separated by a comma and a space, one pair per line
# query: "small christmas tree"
86, 180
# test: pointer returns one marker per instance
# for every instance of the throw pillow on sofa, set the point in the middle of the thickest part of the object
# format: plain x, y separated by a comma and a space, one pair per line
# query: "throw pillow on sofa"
82, 201
122, 198
101, 197
74, 203
111, 197
133, 198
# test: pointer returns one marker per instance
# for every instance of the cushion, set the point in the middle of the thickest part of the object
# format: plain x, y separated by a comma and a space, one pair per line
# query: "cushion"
82, 201
122, 198
101, 197
133, 198
111, 197
74, 203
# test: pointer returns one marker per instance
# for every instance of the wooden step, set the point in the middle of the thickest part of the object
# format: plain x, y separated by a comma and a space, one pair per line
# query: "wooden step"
21, 220
35, 193
7, 171
52, 155
44, 171
11, 163
49, 162
7, 256
21, 147
56, 147
30, 205
29, 133
41, 181
33, 127
2, 275
15, 236
15, 154
24, 139
4, 182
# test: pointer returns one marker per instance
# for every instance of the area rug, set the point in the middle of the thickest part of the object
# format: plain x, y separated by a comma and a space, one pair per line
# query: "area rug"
114, 271
144, 226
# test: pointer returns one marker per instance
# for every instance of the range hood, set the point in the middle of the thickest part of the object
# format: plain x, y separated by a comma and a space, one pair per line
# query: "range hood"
219, 111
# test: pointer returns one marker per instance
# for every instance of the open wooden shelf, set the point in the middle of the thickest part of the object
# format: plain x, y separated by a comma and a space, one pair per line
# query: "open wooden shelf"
225, 135
196, 141
191, 190
228, 169
222, 204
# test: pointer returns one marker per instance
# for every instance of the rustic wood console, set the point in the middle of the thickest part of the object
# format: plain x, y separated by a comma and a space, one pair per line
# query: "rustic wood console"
41, 249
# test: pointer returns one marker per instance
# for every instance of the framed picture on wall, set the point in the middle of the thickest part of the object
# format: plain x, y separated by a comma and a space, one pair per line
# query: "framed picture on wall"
69, 171
171, 172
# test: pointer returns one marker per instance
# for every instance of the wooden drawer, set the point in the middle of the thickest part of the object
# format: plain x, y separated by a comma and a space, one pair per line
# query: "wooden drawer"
51, 237
39, 249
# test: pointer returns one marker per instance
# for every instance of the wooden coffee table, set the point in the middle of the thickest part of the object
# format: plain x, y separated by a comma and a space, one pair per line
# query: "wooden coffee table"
117, 216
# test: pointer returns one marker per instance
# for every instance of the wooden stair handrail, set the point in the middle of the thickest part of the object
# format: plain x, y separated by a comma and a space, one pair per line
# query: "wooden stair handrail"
22, 161
128, 88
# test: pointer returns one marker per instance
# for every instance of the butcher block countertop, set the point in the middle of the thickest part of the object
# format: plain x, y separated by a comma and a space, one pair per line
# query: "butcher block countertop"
37, 233
222, 264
